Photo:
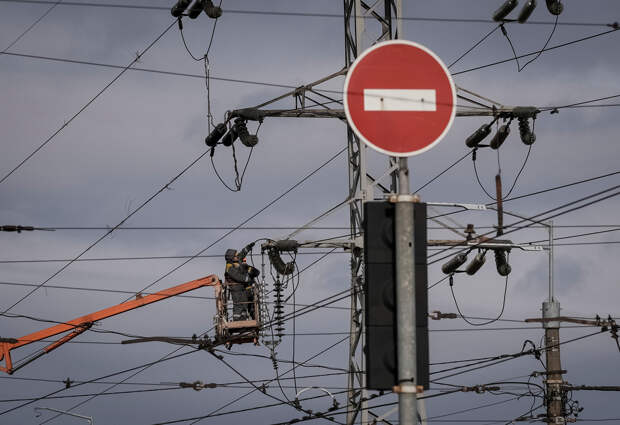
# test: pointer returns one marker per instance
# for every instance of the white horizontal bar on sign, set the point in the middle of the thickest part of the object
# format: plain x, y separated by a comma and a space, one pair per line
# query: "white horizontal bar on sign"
400, 100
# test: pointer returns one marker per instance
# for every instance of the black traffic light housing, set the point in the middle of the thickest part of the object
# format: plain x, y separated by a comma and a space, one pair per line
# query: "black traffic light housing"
380, 299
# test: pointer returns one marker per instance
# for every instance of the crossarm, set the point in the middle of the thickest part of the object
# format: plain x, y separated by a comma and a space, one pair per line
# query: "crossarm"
85, 321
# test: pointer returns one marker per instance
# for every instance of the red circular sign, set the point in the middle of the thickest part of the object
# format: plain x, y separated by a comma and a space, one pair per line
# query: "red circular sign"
399, 98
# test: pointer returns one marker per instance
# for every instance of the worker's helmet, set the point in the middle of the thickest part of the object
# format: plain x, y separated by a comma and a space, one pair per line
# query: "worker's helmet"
230, 255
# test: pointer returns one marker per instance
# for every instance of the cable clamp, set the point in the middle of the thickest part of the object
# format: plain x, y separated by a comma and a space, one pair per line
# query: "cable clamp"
408, 389
404, 198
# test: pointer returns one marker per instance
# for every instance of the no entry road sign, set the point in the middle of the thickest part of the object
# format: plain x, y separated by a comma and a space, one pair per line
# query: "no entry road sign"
399, 98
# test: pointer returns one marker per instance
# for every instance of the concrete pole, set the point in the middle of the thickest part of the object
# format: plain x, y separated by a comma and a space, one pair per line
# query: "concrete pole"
405, 299
554, 382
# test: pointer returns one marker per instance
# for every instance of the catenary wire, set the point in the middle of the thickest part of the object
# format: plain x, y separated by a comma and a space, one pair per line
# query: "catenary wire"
101, 238
251, 217
213, 412
269, 395
139, 371
247, 220
532, 218
474, 46
126, 392
119, 291
163, 257
581, 103
94, 380
83, 108
176, 268
159, 384
301, 14
31, 26
557, 46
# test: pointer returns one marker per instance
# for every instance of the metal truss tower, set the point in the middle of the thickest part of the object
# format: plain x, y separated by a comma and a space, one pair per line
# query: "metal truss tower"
360, 19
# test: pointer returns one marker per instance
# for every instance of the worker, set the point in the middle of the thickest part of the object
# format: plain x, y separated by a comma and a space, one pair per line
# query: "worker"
239, 278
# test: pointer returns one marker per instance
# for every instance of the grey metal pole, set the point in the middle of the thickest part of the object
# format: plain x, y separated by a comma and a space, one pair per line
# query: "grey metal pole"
405, 299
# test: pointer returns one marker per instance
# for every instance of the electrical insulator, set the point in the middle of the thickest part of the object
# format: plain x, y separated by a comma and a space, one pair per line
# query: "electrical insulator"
278, 263
500, 136
505, 9
249, 140
231, 136
278, 309
211, 10
527, 136
179, 7
196, 8
452, 265
473, 140
503, 268
555, 7
476, 263
526, 11
215, 136
287, 245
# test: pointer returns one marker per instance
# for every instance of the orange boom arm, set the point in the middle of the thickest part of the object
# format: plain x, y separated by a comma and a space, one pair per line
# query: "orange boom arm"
82, 324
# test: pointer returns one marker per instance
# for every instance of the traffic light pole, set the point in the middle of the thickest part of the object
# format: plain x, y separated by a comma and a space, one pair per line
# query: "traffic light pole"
405, 298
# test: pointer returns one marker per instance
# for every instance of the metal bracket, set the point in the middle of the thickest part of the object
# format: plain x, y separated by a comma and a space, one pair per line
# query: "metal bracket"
403, 198
476, 207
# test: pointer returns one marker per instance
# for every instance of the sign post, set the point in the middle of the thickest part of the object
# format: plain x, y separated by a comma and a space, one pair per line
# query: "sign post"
399, 99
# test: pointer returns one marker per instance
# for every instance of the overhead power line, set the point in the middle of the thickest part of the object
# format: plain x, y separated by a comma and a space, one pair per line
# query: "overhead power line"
141, 391
538, 192
306, 177
301, 14
90, 102
154, 257
583, 103
537, 219
31, 26
557, 46
53, 393
118, 291
96, 242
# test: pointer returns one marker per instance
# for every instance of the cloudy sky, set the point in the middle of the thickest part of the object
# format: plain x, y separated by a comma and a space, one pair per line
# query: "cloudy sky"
146, 128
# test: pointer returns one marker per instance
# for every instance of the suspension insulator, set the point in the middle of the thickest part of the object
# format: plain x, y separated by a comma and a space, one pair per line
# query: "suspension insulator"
503, 11
279, 264
215, 135
555, 7
179, 7
278, 310
452, 265
527, 10
527, 136
500, 136
249, 140
478, 136
476, 263
196, 8
503, 268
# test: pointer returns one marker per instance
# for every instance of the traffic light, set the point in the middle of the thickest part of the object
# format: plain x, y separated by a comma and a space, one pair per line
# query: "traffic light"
380, 291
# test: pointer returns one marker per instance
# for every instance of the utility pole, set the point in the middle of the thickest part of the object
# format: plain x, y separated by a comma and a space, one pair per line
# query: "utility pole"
553, 383
405, 298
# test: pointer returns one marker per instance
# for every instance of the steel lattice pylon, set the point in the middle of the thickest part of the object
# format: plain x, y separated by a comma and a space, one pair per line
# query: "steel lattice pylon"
357, 14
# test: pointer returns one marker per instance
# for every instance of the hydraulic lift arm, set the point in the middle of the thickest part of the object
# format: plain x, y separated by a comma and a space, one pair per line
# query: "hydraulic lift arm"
81, 324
